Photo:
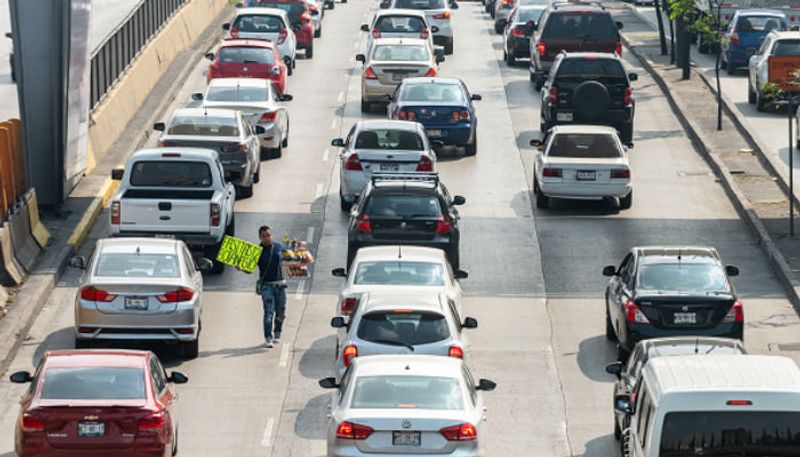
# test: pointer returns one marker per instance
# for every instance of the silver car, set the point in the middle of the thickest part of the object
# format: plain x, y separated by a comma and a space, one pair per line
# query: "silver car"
439, 14
400, 404
140, 289
260, 102
269, 24
399, 23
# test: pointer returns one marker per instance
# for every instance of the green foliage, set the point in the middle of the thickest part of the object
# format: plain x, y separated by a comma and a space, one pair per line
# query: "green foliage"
706, 25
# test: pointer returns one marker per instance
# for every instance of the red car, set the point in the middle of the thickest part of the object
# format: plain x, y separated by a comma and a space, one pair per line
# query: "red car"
300, 17
248, 59
84, 403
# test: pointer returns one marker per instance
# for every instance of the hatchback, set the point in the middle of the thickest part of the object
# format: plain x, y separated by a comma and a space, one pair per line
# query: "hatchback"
248, 59
518, 30
269, 24
746, 32
300, 17
399, 23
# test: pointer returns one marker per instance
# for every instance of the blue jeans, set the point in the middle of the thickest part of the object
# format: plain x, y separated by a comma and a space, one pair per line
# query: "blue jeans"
274, 300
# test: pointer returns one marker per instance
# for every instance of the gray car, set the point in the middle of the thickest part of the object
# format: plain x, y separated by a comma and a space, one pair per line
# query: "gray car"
140, 289
223, 130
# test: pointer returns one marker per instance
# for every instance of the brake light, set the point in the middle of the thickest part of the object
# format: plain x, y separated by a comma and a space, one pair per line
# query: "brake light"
735, 314
628, 96
460, 432
153, 422
431, 72
363, 224
351, 431
444, 15
456, 351
735, 39
620, 173
90, 293
352, 163
404, 115
116, 213
618, 48
518, 32
282, 36
178, 295
369, 73
424, 34
349, 353
634, 314
443, 225
305, 17
553, 95
376, 33
425, 164
31, 423
459, 115
541, 48
551, 172
215, 215
234, 32
348, 305
268, 116
238, 147
739, 403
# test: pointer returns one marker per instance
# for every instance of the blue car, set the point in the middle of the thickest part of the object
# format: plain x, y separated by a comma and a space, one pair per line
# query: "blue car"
443, 106
745, 33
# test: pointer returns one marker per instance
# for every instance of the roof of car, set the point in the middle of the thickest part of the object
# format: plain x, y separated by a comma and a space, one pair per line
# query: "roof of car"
243, 82
400, 41
786, 34
592, 55
96, 357
400, 12
202, 112
143, 245
694, 254
404, 184
388, 124
584, 129
429, 80
419, 300
185, 153
405, 253
247, 43
573, 7
702, 344
257, 10
760, 12
403, 365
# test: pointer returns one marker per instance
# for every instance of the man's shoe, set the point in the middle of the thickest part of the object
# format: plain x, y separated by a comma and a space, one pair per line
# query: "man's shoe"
269, 343
277, 338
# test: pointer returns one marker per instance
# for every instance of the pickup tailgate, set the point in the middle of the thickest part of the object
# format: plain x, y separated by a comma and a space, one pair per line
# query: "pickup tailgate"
780, 71
166, 210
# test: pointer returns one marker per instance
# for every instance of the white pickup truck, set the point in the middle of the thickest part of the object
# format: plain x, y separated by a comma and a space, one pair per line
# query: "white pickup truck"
176, 193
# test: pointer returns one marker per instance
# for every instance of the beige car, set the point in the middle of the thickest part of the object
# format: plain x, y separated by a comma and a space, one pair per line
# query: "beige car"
389, 62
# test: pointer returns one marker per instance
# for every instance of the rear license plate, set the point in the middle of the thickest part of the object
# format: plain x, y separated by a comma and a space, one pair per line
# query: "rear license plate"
138, 303
586, 176
90, 429
390, 167
434, 133
684, 318
406, 438
564, 117
397, 77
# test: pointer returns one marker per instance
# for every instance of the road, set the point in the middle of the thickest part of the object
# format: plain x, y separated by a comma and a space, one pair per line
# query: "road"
535, 284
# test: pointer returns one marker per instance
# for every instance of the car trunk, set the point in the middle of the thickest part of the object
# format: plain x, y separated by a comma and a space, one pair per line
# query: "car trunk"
165, 210
139, 299
219, 144
616, 91
388, 430
396, 72
251, 111
242, 70
677, 311
266, 36
374, 161
432, 114
403, 228
91, 424
586, 170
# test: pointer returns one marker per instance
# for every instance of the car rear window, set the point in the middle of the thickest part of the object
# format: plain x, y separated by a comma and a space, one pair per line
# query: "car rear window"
406, 326
93, 383
390, 140
137, 265
530, 14
580, 25
294, 9
787, 48
237, 94
403, 206
760, 24
591, 68
400, 53
258, 24
420, 4
246, 54
683, 277
408, 392
204, 126
400, 24
399, 273
584, 145
432, 93
170, 174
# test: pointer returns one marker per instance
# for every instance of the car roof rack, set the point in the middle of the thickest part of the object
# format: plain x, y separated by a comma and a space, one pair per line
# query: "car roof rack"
558, 3
415, 176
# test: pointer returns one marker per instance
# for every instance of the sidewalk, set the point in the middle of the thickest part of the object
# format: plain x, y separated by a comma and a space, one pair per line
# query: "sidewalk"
747, 176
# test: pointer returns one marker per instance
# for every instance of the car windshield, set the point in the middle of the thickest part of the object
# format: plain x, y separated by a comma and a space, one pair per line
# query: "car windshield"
580, 25
170, 174
400, 24
407, 392
584, 145
591, 68
787, 48
295, 9
399, 273
403, 206
683, 277
405, 326
432, 93
530, 14
731, 433
246, 54
400, 53
760, 24
204, 126
138, 265
258, 24
420, 4
93, 383
237, 94
386, 139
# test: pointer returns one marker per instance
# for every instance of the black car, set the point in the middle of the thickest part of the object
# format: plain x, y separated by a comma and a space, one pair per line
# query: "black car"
517, 34
628, 374
671, 291
405, 209
589, 88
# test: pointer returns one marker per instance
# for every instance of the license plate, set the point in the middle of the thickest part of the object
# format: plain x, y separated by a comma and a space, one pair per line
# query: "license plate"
564, 117
91, 429
390, 167
138, 303
684, 318
406, 438
586, 176
397, 77
434, 133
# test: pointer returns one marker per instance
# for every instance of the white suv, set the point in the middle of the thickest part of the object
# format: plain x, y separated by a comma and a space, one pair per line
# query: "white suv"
439, 14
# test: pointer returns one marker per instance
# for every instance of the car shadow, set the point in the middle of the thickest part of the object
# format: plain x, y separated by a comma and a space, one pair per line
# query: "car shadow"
316, 362
602, 446
569, 207
311, 420
594, 354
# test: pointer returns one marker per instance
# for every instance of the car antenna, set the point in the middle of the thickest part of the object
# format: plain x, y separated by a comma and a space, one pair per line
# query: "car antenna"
138, 250
697, 346
679, 258
399, 251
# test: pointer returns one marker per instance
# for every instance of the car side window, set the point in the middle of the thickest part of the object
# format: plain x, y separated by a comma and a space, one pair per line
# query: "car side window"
157, 375
473, 394
456, 316
35, 379
187, 259
764, 46
625, 270
644, 410
632, 360
345, 382
349, 140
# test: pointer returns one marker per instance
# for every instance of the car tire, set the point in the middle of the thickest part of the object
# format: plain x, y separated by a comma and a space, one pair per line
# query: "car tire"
542, 200
351, 254
611, 335
730, 69
448, 48
751, 94
537, 85
289, 69
622, 354
626, 133
310, 51
627, 201
617, 430
257, 176
702, 46
277, 152
265, 153
318, 32
344, 204
83, 344
511, 60
498, 27
285, 142
191, 349
761, 105
333, 5
210, 252
245, 191
365, 106
471, 149
722, 64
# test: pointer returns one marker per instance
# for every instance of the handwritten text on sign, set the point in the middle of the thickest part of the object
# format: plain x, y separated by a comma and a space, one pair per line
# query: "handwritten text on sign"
239, 253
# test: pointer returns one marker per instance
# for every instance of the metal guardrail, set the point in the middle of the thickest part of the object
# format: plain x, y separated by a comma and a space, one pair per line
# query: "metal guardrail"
122, 46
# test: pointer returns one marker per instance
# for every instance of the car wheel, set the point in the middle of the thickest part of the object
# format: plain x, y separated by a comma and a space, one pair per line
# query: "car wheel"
289, 68
257, 176
277, 152
351, 254
448, 48
723, 64
537, 85
265, 153
310, 51
333, 5
510, 59
191, 349
761, 105
627, 201
175, 443
285, 142
622, 354
626, 133
365, 106
454, 257
498, 27
210, 252
83, 344
731, 70
472, 148
344, 204
542, 200
611, 335
751, 94
245, 191
318, 32
617, 430
702, 46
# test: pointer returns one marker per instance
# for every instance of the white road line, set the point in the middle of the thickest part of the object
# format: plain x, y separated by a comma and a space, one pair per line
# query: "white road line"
266, 438
299, 292
355, 45
325, 154
333, 123
310, 235
341, 96
318, 191
284, 356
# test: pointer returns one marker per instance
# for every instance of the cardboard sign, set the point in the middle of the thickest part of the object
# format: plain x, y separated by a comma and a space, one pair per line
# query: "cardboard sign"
239, 253
781, 69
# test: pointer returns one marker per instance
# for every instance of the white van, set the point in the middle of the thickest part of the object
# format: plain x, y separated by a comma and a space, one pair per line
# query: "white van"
716, 405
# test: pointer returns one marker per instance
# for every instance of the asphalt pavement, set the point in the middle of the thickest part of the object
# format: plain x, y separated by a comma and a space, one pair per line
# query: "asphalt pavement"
535, 284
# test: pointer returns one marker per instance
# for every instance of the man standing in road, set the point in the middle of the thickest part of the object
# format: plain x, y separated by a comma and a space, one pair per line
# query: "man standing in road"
271, 286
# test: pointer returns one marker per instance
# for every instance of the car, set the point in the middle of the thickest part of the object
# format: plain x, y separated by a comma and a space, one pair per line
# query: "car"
745, 33
301, 19
380, 146
582, 162
589, 88
517, 32
397, 268
504, 9
269, 24
248, 59
317, 13
402, 322
399, 404
443, 105
399, 23
439, 14
390, 61
488, 6
98, 402
569, 27
660, 291
780, 48
223, 130
628, 374
409, 209
260, 102
140, 289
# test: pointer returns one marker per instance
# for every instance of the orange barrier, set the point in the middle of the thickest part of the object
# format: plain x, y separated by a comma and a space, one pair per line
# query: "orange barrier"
7, 194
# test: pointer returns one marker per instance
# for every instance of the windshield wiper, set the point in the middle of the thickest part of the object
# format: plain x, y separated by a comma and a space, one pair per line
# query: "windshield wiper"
394, 343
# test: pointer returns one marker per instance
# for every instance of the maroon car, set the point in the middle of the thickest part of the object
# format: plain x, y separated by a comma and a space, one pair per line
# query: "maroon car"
98, 403
300, 17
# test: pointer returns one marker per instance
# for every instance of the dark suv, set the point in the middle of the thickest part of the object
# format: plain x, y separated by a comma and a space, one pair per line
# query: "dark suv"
589, 88
405, 209
572, 28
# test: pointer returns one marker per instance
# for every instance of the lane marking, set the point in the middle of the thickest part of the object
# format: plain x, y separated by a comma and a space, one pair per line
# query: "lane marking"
299, 292
355, 45
325, 154
341, 96
318, 191
333, 123
266, 438
310, 235
284, 357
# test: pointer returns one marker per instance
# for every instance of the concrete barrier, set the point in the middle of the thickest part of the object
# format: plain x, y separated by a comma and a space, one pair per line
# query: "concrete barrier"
11, 273
39, 232
26, 250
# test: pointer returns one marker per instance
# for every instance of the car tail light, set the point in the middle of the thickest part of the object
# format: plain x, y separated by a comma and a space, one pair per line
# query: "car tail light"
363, 224
234, 32
551, 172
370, 74
518, 32
85, 330
305, 17
460, 432
153, 422
215, 215
735, 314
352, 163
178, 295
404, 115
349, 353
444, 15
185, 331
554, 95
348, 305
620, 173
443, 225
739, 403
507, 4
116, 213
425, 164
282, 36
31, 423
541, 48
460, 115
238, 147
351, 431
425, 33
618, 48
269, 116
456, 351
90, 293
313, 9
735, 39
376, 33
628, 96
634, 314
431, 72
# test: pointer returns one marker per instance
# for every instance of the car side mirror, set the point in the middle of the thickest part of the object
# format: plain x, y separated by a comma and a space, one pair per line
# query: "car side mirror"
461, 274
531, 25
116, 174
365, 27
77, 261
609, 270
434, 29
337, 142
159, 126
285, 97
328, 383
361, 58
732, 270
622, 404
21, 377
629, 145
210, 56
459, 200
476, 97
633, 76
203, 264
536, 142
226, 26
615, 369
339, 272
439, 59
470, 322
338, 322
260, 130
9, 35
197, 96
176, 377
486, 385
619, 25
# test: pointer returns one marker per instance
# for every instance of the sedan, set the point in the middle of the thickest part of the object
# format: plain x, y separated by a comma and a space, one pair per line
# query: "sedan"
109, 403
400, 404
248, 59
380, 146
269, 24
439, 14
140, 289
518, 31
398, 23
260, 102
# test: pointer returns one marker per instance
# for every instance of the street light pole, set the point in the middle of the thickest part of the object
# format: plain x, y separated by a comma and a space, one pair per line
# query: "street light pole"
717, 43
791, 168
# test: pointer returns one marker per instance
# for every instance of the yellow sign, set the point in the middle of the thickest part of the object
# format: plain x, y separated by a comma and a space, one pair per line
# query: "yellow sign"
239, 253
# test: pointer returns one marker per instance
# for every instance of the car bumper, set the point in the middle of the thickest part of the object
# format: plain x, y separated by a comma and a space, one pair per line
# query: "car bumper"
272, 136
543, 66
345, 449
585, 190
40, 448
191, 239
453, 135
502, 15
639, 332
609, 117
739, 57
440, 243
168, 326
351, 184
375, 91
521, 47
441, 40
305, 37
236, 173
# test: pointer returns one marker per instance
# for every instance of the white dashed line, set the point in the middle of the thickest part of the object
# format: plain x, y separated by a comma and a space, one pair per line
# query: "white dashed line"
325, 154
284, 357
299, 292
318, 191
355, 45
341, 96
266, 438
310, 235
333, 123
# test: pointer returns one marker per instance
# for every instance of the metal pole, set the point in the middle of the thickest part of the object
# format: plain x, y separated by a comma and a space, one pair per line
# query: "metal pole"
791, 170
662, 38
716, 67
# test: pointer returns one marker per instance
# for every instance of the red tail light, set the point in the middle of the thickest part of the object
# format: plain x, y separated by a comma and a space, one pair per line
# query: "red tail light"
282, 36
551, 172
735, 314
90, 293
215, 215
518, 32
735, 39
31, 423
618, 48
153, 422
431, 72
444, 15
424, 34
628, 96
363, 224
634, 314
348, 305
376, 33
541, 48
305, 17
234, 32
369, 73
443, 225
116, 213
85, 330
739, 403
554, 96
456, 351
352, 163
349, 353
425, 164
404, 115
238, 147
351, 431
460, 115
269, 116
461, 432
620, 173
178, 295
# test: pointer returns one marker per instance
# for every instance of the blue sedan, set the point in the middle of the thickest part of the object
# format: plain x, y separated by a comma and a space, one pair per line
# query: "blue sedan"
443, 106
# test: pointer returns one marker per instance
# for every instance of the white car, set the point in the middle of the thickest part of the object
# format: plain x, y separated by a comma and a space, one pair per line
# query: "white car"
779, 44
386, 146
584, 162
317, 13
269, 24
399, 23
261, 104
439, 14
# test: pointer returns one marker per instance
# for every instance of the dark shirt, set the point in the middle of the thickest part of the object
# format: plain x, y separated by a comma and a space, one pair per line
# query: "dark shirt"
269, 264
